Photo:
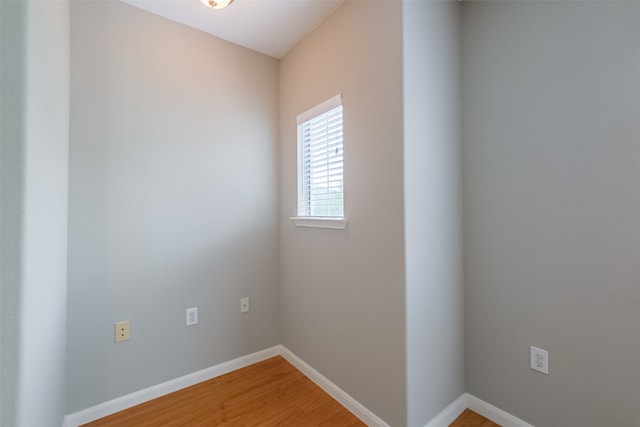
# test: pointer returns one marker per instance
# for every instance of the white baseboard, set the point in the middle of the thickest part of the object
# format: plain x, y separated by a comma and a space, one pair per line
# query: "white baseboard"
111, 407
497, 415
107, 408
449, 414
443, 419
368, 417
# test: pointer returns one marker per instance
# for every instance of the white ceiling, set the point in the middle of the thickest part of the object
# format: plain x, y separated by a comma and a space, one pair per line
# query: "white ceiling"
268, 26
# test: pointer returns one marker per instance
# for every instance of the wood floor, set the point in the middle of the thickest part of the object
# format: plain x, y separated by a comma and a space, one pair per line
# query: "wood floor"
269, 393
471, 419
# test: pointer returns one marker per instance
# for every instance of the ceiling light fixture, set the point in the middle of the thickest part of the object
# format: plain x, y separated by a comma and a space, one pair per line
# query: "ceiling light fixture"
217, 4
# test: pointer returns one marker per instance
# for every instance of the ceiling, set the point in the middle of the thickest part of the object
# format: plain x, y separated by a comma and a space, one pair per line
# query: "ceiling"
268, 26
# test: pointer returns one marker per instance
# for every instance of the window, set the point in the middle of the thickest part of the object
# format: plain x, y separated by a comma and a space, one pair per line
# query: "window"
321, 162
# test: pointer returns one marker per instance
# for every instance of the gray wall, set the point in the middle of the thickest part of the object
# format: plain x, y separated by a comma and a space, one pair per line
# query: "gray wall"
34, 130
12, 122
551, 164
173, 200
435, 347
342, 292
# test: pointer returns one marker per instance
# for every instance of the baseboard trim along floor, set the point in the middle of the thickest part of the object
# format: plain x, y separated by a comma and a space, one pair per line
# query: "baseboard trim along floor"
487, 410
368, 417
121, 403
111, 407
443, 419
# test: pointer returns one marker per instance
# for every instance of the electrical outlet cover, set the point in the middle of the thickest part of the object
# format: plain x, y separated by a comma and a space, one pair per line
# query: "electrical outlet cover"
123, 331
192, 316
539, 360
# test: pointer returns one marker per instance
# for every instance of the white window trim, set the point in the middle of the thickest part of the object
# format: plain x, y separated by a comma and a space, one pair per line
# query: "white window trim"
336, 223
320, 222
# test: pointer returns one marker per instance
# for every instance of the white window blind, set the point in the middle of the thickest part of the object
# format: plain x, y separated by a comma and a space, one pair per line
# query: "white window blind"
320, 161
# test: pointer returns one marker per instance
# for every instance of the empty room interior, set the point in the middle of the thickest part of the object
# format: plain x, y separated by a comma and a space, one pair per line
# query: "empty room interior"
488, 251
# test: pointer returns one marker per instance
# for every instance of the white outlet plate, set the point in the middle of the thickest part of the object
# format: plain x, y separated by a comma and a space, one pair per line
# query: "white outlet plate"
244, 305
539, 360
192, 316
123, 331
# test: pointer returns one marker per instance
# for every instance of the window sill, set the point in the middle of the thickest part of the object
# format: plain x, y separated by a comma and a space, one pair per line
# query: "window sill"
320, 222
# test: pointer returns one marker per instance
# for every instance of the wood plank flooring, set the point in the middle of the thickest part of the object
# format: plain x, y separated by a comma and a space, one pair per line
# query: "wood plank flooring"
269, 393
468, 418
